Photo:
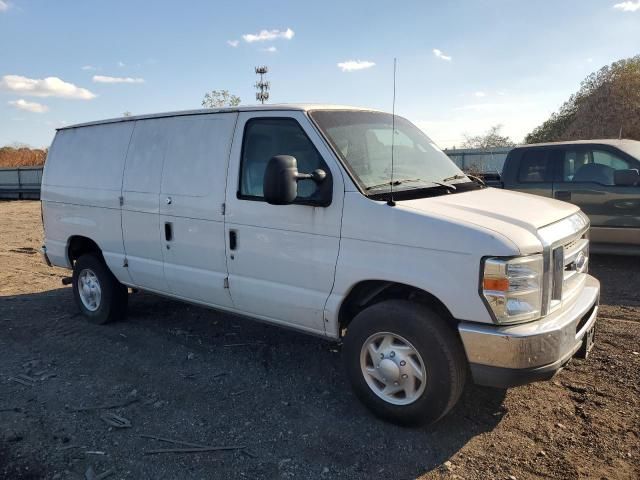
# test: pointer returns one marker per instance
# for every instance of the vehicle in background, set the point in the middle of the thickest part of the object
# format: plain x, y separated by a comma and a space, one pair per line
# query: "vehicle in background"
602, 177
285, 214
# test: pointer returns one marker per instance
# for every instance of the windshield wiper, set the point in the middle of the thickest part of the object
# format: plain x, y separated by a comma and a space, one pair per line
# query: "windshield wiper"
457, 176
394, 183
451, 188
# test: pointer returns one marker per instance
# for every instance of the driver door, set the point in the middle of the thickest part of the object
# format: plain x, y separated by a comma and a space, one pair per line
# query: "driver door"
586, 179
281, 258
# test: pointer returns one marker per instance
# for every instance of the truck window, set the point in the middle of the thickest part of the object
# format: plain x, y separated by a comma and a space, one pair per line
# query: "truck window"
594, 166
267, 137
535, 167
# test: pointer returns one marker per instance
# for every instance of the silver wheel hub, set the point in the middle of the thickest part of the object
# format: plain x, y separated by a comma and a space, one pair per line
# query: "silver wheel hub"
393, 368
89, 290
389, 370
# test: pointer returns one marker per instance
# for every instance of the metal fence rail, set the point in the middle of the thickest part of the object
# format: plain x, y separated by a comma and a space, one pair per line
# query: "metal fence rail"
20, 183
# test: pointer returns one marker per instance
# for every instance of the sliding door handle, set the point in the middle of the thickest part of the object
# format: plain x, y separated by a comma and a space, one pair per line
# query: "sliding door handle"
168, 231
233, 240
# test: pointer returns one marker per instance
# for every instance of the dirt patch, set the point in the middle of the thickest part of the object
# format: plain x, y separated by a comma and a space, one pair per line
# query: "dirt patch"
186, 373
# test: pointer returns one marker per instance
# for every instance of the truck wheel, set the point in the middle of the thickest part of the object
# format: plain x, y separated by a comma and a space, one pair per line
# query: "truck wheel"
98, 294
404, 362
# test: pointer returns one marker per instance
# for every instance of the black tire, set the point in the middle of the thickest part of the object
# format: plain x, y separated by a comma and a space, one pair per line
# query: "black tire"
436, 342
114, 296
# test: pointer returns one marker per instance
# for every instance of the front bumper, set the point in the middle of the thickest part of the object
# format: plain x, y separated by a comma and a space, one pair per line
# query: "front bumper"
517, 354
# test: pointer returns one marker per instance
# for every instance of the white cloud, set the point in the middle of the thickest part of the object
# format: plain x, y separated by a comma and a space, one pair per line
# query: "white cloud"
271, 49
233, 43
47, 87
438, 53
107, 79
480, 94
29, 106
353, 65
121, 64
628, 6
88, 68
589, 60
4, 6
267, 35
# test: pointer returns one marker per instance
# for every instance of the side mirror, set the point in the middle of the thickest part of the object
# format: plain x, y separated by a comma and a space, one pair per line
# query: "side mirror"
626, 177
281, 178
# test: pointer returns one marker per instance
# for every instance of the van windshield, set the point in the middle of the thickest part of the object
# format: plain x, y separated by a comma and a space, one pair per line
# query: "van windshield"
363, 140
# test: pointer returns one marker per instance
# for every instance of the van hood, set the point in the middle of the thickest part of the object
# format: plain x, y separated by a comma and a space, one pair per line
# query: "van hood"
514, 215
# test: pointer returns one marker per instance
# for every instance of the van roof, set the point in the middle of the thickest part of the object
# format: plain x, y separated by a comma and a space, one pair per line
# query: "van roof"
249, 108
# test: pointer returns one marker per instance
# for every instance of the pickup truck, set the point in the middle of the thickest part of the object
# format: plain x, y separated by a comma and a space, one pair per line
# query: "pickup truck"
600, 176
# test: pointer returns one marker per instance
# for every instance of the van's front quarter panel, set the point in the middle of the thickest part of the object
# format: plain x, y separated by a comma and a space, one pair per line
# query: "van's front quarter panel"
438, 255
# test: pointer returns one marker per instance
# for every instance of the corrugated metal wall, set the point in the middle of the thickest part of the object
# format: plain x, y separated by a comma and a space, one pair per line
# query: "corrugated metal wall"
479, 159
20, 183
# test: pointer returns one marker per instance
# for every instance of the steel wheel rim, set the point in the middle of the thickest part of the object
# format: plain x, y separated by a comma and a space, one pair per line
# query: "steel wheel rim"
393, 368
89, 290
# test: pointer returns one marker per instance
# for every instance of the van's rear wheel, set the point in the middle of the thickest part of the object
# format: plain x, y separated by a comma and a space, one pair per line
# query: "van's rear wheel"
97, 292
404, 362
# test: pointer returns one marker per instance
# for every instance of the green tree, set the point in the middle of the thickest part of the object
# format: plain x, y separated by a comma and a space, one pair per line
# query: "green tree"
220, 98
492, 138
607, 105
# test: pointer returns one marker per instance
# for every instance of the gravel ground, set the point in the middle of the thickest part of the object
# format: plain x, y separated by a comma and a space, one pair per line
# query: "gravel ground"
187, 373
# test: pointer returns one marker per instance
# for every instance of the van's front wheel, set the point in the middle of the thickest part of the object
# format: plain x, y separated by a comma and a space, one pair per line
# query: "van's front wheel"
97, 292
404, 362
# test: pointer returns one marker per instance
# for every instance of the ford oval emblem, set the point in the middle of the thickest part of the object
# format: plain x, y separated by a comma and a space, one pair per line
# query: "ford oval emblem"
580, 261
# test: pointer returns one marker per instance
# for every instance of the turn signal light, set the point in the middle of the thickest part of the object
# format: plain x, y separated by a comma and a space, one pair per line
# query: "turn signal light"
496, 284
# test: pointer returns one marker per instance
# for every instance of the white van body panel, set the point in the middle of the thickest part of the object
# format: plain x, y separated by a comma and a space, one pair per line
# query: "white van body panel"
270, 274
81, 186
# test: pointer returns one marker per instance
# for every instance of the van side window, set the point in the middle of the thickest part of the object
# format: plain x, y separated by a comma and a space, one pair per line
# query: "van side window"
535, 167
267, 137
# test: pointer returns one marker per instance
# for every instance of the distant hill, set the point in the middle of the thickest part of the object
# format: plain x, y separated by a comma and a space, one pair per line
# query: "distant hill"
21, 157
607, 105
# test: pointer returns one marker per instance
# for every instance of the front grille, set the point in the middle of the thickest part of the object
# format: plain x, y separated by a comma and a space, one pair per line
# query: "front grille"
569, 262
566, 249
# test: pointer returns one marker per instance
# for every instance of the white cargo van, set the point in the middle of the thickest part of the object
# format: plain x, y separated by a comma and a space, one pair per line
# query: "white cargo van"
293, 215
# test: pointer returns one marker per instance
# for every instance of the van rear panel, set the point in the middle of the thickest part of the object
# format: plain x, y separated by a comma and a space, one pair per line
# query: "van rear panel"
81, 186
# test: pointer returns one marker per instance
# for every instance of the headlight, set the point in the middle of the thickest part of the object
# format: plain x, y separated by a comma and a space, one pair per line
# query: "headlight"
512, 288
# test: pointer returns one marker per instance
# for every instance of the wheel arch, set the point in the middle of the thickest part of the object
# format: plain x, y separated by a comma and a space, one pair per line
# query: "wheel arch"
78, 245
368, 292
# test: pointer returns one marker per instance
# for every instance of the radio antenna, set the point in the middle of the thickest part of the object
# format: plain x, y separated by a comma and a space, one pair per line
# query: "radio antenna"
390, 202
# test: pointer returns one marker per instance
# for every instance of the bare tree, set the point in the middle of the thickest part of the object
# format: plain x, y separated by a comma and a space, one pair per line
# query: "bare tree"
492, 138
220, 98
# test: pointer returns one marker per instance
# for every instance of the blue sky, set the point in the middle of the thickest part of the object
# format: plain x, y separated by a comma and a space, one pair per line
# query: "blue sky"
462, 65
